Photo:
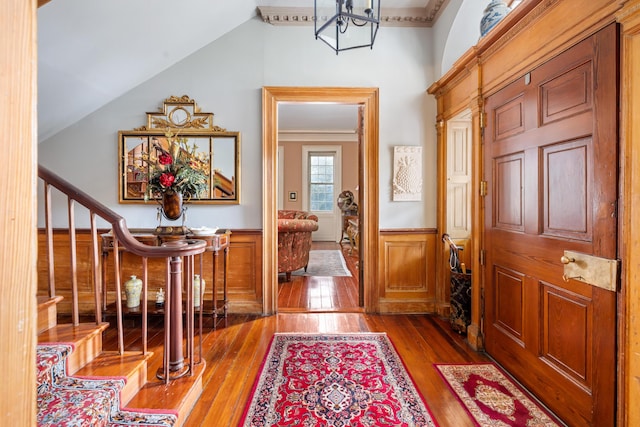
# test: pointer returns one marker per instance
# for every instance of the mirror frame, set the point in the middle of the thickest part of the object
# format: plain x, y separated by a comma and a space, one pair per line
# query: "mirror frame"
182, 117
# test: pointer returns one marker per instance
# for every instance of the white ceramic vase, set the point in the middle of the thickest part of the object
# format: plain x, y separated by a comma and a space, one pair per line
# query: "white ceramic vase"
198, 283
132, 289
494, 13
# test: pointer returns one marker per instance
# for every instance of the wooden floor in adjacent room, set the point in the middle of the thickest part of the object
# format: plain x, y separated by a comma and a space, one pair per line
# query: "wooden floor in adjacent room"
235, 349
322, 293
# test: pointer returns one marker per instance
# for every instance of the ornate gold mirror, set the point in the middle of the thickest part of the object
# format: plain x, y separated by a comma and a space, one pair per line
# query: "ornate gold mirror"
202, 159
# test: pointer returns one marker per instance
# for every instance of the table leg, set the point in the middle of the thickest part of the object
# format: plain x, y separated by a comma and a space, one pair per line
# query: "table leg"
214, 286
224, 280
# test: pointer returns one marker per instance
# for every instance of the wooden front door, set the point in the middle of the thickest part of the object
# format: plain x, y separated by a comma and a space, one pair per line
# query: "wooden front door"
551, 172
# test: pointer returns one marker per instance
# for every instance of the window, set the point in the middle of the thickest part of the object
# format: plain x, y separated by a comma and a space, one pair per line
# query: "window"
321, 186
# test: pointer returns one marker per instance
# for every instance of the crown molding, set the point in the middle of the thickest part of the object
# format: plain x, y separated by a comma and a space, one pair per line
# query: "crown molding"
390, 17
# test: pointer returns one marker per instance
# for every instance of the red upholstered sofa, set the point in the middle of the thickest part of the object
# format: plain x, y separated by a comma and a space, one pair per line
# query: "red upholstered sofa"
294, 240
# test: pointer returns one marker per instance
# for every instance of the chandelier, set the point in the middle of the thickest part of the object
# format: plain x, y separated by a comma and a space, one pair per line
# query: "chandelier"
349, 26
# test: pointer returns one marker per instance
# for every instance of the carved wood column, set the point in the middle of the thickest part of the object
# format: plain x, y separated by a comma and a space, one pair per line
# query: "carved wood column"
173, 320
443, 306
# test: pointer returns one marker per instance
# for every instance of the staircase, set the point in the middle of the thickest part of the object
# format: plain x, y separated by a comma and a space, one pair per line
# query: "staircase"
130, 365
142, 391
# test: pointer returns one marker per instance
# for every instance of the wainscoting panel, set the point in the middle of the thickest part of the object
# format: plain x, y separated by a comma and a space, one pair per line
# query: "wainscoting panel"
407, 271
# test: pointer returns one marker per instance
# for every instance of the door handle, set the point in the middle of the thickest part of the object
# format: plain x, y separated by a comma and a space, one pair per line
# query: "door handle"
566, 260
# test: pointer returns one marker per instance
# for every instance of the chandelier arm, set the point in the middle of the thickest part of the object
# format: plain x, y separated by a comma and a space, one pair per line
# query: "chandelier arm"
352, 16
358, 24
340, 23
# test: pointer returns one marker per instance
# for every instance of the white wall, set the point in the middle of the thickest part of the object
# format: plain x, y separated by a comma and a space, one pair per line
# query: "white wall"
463, 32
226, 78
441, 32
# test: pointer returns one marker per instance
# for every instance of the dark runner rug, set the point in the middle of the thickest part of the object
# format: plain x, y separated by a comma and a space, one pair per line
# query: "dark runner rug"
492, 398
334, 380
78, 401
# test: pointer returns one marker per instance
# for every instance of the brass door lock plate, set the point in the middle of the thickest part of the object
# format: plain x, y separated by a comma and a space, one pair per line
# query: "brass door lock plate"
596, 271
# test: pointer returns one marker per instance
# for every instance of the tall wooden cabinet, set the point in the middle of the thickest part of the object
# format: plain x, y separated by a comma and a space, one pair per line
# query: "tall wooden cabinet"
535, 33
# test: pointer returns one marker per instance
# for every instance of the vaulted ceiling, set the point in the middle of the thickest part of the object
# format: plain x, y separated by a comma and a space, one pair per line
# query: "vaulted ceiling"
91, 52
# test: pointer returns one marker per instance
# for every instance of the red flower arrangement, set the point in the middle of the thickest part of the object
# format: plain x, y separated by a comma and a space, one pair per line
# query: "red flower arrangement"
174, 165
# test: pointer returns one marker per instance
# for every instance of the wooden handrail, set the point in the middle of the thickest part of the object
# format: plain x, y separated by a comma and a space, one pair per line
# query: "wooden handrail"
118, 223
122, 237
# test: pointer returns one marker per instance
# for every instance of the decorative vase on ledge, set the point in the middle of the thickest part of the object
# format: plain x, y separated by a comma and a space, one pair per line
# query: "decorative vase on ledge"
132, 289
494, 13
198, 282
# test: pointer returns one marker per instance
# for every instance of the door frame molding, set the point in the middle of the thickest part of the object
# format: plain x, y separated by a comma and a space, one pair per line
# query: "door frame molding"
368, 181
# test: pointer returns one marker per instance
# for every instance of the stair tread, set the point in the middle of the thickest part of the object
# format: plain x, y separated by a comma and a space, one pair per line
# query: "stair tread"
179, 395
113, 364
72, 334
132, 366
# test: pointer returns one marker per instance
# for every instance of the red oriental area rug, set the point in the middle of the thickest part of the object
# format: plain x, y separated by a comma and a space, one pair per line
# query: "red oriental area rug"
493, 399
334, 380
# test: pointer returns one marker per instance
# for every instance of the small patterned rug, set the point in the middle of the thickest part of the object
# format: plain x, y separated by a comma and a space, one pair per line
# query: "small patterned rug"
324, 263
337, 381
78, 401
493, 399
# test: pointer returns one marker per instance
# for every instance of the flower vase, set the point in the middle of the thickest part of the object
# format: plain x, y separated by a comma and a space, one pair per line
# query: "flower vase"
172, 204
132, 289
494, 13
198, 283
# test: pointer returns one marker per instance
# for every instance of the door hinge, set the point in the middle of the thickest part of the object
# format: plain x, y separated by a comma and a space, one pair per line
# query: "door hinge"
483, 120
483, 255
483, 188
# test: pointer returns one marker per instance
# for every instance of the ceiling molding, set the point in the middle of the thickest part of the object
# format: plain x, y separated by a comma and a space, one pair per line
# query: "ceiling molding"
390, 17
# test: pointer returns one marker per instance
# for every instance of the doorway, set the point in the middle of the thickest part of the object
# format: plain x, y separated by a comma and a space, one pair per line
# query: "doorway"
320, 152
367, 98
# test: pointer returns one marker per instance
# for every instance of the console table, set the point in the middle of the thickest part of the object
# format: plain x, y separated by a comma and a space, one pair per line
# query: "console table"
216, 244
173, 284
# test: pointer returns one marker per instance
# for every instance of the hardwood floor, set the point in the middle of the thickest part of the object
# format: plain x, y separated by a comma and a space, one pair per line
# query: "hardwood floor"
235, 349
321, 293
234, 352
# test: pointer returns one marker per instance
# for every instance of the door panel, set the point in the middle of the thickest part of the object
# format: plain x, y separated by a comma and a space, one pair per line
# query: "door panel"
567, 190
509, 309
567, 350
458, 224
509, 192
551, 169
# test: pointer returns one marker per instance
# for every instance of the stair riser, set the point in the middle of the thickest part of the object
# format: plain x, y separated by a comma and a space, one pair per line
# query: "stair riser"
85, 351
135, 381
47, 316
